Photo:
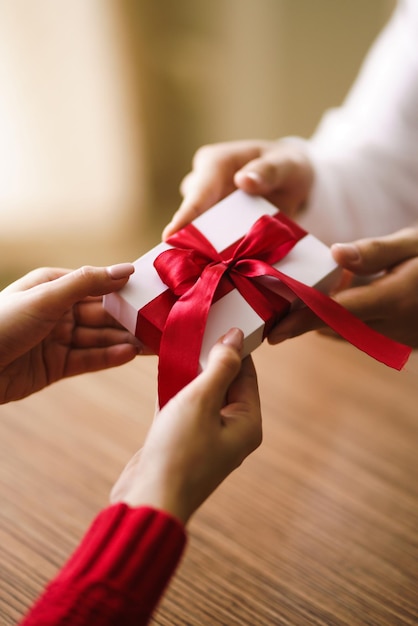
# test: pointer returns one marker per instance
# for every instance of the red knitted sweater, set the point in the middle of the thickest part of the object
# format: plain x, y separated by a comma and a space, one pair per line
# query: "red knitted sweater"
117, 574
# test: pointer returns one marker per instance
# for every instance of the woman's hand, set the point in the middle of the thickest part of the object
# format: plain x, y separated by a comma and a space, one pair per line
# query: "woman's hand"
53, 325
388, 302
199, 437
280, 171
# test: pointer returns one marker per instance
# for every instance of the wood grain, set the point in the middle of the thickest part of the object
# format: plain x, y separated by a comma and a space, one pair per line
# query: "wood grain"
318, 526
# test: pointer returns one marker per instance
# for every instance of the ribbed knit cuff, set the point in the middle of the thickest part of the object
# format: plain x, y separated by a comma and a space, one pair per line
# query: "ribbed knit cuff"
118, 572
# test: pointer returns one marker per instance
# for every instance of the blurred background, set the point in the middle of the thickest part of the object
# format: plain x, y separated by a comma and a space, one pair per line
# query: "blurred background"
103, 104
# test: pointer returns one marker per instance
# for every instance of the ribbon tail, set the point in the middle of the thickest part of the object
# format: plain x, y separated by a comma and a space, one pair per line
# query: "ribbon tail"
351, 328
182, 337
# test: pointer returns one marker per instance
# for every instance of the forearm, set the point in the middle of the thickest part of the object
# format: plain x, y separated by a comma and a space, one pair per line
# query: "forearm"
364, 153
117, 574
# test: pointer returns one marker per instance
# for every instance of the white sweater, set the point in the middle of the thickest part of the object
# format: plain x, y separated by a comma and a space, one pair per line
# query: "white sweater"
365, 153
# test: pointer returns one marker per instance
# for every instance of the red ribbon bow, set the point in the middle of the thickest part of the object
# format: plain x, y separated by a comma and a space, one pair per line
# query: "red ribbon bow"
194, 271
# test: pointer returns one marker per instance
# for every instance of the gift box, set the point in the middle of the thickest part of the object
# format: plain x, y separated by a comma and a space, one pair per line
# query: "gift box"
241, 264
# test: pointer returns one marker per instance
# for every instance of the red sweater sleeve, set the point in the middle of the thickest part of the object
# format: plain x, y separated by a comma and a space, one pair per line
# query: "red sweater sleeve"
118, 572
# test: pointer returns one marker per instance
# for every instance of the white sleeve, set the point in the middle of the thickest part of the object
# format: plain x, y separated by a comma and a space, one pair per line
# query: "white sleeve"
365, 153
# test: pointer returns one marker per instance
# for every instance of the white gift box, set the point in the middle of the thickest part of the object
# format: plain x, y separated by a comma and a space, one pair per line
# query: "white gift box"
309, 262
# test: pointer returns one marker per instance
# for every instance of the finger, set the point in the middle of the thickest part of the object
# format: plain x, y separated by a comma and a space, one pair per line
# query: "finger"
35, 277
90, 312
345, 281
84, 337
280, 166
82, 361
367, 302
90, 315
369, 256
243, 395
186, 184
57, 296
211, 180
223, 365
242, 415
294, 324
205, 190
261, 176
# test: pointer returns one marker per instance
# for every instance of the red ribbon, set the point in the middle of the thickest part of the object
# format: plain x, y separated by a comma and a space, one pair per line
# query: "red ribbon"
194, 271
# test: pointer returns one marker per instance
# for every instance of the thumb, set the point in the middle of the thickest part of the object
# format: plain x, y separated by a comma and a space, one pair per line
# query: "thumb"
285, 164
261, 176
369, 256
57, 296
224, 364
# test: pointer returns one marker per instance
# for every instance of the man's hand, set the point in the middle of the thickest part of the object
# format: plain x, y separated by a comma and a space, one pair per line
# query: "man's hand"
388, 301
280, 171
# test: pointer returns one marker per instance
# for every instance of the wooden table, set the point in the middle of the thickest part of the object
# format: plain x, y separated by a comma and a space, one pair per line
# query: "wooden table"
319, 526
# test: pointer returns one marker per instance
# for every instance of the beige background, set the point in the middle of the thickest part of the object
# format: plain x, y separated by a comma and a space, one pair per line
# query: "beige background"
104, 103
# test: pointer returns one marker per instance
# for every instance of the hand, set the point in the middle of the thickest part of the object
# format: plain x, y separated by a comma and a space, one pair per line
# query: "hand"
388, 302
199, 437
53, 325
280, 171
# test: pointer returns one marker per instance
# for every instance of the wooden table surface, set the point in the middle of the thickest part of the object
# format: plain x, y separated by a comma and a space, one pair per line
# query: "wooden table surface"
319, 526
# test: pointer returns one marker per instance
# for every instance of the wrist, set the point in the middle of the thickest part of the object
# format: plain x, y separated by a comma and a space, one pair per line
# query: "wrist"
159, 494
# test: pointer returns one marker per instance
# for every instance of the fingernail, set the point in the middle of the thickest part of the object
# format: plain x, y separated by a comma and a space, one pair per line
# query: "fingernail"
234, 338
253, 176
121, 270
350, 251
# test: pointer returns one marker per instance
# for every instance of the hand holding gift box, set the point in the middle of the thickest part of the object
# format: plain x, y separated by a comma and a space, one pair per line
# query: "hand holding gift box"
244, 264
